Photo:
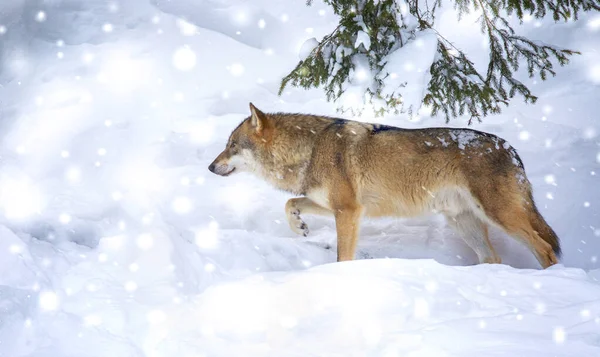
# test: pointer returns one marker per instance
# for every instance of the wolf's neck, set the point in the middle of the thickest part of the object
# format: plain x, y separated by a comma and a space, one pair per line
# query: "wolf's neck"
290, 175
288, 163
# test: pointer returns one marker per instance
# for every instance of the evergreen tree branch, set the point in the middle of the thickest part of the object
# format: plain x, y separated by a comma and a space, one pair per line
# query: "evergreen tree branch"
370, 31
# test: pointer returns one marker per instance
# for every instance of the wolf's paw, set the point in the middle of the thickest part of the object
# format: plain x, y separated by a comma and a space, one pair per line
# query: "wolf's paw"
297, 224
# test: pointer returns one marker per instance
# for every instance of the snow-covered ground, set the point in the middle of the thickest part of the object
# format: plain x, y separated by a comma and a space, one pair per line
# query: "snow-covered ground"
115, 240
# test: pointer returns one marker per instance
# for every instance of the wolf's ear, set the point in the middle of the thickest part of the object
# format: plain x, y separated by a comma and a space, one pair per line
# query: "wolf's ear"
257, 119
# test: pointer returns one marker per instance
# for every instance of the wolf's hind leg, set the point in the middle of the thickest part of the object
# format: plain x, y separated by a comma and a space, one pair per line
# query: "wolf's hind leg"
475, 233
301, 205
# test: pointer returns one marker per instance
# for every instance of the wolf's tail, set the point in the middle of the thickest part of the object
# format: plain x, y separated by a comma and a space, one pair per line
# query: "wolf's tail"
544, 230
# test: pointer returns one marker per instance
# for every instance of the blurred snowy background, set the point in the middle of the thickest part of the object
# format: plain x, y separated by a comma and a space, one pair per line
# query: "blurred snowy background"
116, 240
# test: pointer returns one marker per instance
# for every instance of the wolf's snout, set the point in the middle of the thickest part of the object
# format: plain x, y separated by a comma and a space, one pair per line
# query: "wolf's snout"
221, 169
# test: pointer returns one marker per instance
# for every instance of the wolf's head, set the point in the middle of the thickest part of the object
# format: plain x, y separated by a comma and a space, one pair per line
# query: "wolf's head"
246, 144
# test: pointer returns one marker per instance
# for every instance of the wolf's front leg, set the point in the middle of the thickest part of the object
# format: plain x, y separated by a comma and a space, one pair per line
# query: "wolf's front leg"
347, 221
296, 206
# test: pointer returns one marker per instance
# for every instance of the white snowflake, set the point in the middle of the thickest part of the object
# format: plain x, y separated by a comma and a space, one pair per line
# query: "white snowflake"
262, 24
421, 308
236, 69
113, 6
107, 28
559, 335
595, 73
145, 241
186, 28
550, 180
594, 24
589, 133
182, 205
48, 301
209, 267
92, 320
133, 267
64, 218
184, 59
208, 238
40, 16
524, 135
73, 175
156, 317
3, 29
130, 286
361, 74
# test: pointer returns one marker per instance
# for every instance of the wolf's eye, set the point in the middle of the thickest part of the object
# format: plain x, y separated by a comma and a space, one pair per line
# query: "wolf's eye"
233, 145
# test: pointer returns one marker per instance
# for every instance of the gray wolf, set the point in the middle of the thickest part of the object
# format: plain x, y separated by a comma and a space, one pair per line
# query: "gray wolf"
350, 170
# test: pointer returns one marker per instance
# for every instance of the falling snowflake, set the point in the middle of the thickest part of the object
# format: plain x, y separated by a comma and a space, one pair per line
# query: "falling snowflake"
288, 322
64, 218
40, 16
186, 28
182, 205
113, 6
236, 69
107, 28
130, 286
421, 308
208, 238
48, 301
133, 267
595, 74
92, 320
209, 267
262, 24
145, 241
156, 317
2, 29
184, 59
361, 74
524, 135
550, 180
559, 335
594, 24
589, 133
73, 175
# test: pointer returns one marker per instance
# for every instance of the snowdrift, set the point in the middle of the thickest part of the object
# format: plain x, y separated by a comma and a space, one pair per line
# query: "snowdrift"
116, 240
